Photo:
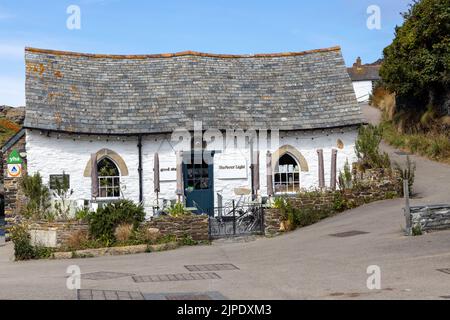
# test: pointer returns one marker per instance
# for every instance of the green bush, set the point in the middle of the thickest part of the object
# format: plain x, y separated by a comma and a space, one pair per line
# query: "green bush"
104, 221
367, 148
178, 209
38, 198
23, 250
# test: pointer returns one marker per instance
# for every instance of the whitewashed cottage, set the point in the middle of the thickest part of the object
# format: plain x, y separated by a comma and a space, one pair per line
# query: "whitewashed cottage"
108, 123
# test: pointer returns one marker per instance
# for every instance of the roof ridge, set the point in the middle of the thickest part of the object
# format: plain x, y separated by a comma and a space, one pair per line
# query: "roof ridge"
180, 54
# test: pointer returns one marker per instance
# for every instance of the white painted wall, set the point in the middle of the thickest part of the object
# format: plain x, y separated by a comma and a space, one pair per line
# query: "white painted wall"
362, 90
70, 154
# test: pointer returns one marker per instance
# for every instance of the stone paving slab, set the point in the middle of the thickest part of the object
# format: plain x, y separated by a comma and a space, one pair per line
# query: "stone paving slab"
177, 277
105, 275
211, 267
88, 294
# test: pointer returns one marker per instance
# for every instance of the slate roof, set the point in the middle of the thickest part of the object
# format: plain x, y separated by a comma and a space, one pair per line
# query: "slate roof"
365, 72
142, 94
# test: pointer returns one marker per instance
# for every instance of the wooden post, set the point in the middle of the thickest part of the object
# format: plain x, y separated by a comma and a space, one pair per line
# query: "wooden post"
407, 208
333, 169
321, 169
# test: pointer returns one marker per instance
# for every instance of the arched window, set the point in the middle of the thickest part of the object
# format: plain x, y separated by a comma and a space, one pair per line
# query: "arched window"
108, 179
287, 175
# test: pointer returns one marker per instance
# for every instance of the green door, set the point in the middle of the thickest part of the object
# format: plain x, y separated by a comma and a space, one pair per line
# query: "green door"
199, 184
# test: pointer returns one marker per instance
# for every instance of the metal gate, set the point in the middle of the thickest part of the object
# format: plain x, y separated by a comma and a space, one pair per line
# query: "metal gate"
235, 221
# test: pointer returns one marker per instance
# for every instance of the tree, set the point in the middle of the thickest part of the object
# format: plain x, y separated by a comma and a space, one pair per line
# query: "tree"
417, 64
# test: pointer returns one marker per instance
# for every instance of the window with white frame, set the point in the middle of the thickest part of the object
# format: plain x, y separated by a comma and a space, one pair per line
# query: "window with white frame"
108, 179
287, 175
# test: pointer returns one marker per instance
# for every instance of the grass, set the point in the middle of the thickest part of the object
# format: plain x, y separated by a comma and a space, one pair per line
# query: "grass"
433, 145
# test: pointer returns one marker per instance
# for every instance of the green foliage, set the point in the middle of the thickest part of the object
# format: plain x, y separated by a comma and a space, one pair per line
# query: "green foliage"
416, 230
104, 221
407, 173
38, 195
178, 209
416, 65
82, 214
187, 240
345, 177
23, 249
62, 194
433, 145
367, 148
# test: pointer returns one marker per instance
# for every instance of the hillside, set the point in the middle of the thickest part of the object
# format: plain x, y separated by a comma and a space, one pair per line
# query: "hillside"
11, 120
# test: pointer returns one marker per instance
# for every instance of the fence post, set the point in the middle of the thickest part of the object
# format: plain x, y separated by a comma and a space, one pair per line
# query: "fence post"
407, 208
234, 219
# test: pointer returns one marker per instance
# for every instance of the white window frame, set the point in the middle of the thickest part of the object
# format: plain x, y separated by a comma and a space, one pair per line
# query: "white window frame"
284, 169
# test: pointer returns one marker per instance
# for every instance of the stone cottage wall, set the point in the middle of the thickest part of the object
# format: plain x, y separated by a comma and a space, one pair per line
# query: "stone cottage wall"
14, 198
57, 153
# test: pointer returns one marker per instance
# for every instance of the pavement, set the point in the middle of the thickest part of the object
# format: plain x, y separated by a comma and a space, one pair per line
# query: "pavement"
309, 263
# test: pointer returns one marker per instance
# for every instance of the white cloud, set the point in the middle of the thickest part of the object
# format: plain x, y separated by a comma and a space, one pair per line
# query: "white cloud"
12, 91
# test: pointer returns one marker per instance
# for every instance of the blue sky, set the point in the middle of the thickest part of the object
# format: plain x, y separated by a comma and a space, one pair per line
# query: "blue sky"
218, 26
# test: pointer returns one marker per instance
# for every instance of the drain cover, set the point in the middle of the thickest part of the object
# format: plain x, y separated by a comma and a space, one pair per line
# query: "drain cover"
87, 294
177, 277
102, 275
348, 234
211, 267
447, 270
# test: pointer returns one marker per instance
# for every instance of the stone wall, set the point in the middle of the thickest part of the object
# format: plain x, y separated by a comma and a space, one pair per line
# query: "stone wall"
195, 226
14, 198
373, 185
430, 218
55, 234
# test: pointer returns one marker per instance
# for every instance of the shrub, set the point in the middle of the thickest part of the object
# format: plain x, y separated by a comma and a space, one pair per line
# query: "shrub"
407, 173
82, 214
62, 193
123, 232
147, 235
38, 197
187, 240
416, 230
178, 209
367, 148
76, 241
23, 250
104, 221
345, 177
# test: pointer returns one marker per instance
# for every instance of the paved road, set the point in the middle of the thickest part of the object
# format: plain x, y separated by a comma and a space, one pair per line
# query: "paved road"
305, 264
